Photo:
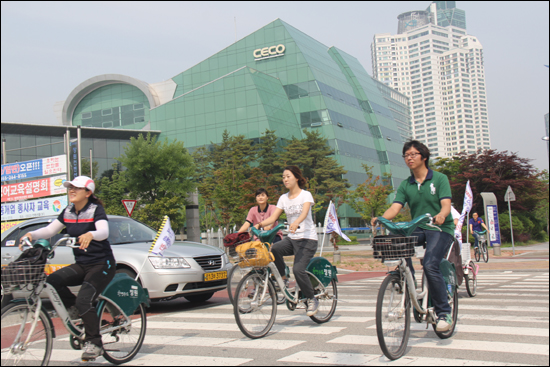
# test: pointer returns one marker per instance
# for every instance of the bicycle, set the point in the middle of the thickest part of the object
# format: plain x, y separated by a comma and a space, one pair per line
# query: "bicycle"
28, 330
470, 270
240, 268
254, 308
398, 290
481, 250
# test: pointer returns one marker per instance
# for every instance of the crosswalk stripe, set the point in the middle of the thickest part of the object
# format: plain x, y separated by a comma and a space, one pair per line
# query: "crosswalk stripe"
233, 327
222, 342
280, 318
485, 329
506, 308
153, 359
522, 286
452, 343
515, 289
480, 317
483, 293
355, 359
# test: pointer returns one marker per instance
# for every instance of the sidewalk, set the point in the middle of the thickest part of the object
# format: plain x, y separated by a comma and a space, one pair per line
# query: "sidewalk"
359, 258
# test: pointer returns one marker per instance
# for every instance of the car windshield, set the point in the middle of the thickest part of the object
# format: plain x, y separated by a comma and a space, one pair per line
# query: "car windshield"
126, 230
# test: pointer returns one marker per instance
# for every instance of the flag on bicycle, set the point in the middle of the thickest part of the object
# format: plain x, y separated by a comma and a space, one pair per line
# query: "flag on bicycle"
164, 239
468, 202
331, 222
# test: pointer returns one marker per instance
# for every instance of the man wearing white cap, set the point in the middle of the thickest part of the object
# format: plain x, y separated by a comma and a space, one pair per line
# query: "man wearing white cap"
95, 264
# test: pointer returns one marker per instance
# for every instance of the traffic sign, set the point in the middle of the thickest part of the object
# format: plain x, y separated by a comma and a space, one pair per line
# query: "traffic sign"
509, 196
129, 205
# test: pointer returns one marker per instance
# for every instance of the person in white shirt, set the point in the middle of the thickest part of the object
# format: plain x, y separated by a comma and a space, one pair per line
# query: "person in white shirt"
302, 240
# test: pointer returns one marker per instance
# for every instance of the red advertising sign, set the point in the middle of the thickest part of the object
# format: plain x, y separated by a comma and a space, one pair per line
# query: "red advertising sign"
129, 205
34, 189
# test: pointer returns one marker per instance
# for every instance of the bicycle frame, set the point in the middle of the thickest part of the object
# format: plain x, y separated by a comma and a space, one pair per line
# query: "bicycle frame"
414, 296
291, 297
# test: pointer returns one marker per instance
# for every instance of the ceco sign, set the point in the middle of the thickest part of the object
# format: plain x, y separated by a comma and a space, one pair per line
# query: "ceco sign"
269, 52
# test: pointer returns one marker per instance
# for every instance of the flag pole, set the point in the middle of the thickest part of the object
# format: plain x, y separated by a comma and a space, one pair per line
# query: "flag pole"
152, 246
325, 229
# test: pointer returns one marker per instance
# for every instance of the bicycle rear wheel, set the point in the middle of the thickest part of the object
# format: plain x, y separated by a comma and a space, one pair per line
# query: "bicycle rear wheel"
485, 252
327, 302
17, 318
121, 343
255, 312
393, 322
471, 280
477, 253
236, 273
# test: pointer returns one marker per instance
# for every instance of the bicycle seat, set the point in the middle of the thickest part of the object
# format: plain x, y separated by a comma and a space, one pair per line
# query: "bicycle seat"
481, 232
267, 236
404, 228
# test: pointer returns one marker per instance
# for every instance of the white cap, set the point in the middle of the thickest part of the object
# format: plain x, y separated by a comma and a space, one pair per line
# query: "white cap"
81, 181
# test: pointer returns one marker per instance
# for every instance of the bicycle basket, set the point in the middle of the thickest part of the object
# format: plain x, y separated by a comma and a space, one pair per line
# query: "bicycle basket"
393, 247
20, 273
231, 250
255, 254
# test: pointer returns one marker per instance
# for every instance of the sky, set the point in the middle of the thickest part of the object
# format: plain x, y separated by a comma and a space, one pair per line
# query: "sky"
49, 48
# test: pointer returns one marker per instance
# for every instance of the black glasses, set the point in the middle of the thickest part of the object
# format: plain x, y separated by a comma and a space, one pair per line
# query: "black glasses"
412, 155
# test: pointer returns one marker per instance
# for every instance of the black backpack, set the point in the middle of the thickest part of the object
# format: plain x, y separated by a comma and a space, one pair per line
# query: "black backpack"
27, 269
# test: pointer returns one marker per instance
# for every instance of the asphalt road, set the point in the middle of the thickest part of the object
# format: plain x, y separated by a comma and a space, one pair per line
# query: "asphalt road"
506, 324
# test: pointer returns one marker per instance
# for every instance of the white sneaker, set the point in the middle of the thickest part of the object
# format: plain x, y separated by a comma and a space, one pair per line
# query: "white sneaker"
91, 352
444, 323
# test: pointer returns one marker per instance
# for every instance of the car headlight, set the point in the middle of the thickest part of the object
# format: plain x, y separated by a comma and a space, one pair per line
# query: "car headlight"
169, 262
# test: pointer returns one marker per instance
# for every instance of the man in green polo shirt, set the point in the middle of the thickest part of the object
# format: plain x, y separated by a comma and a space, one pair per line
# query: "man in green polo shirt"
427, 191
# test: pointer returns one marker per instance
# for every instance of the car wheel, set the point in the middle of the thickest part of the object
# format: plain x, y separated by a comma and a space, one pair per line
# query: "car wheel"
128, 272
199, 297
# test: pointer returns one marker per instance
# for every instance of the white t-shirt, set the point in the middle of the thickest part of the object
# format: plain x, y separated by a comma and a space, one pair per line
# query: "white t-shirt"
293, 209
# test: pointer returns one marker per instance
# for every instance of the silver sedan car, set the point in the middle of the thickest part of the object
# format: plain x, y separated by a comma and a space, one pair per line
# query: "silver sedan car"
187, 269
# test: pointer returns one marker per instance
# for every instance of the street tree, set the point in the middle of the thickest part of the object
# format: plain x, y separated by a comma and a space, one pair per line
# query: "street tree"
159, 175
315, 158
370, 199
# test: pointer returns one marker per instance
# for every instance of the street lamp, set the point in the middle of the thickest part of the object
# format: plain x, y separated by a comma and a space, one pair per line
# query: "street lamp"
545, 138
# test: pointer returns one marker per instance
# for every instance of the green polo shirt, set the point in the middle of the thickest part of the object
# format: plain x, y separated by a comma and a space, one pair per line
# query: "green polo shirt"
426, 198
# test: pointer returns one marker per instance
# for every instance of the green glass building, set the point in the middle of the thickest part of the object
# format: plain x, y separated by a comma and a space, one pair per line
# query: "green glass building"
276, 78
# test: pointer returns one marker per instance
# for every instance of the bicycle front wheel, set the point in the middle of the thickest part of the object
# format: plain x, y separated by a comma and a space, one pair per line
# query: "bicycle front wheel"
393, 321
121, 342
453, 302
16, 325
477, 253
255, 311
485, 252
471, 280
327, 302
233, 278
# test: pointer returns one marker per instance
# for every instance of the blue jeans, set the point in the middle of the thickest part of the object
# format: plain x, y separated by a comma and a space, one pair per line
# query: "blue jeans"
476, 239
437, 244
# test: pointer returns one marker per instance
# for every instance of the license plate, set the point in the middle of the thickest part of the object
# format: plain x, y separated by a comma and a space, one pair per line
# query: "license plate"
215, 276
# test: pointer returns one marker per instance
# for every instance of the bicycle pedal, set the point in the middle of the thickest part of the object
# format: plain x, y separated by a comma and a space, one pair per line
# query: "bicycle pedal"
88, 360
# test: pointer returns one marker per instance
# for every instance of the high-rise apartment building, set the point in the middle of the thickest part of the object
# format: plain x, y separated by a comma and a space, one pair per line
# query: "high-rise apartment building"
434, 62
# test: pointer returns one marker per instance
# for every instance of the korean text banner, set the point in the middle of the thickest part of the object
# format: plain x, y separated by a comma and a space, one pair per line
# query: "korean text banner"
35, 168
34, 208
34, 189
8, 225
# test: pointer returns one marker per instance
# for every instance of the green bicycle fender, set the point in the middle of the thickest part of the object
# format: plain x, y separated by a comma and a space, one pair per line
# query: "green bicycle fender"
126, 293
449, 275
323, 270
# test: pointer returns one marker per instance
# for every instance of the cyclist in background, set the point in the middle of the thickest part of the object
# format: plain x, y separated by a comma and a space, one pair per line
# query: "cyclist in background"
260, 212
427, 191
95, 265
475, 225
302, 240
